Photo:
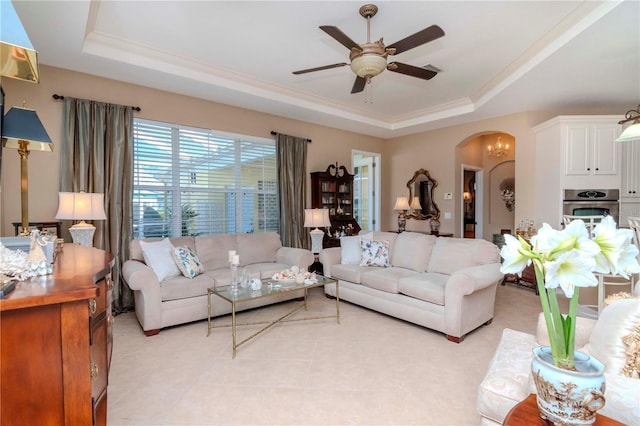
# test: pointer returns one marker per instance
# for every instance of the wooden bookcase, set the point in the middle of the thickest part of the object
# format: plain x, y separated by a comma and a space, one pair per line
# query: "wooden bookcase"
333, 190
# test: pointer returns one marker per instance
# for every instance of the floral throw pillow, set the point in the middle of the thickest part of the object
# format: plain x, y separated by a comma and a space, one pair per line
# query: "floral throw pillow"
187, 262
374, 253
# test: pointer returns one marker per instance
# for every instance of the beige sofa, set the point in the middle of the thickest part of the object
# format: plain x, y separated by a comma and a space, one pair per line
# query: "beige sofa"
445, 284
508, 379
178, 299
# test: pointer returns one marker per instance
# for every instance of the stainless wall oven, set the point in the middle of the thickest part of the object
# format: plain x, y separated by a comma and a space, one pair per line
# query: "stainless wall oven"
591, 202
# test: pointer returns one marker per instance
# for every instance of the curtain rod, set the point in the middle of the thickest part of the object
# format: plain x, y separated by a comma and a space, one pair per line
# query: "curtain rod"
60, 97
275, 133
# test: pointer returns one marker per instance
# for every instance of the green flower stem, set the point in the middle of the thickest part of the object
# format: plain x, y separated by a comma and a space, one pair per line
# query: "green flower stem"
553, 318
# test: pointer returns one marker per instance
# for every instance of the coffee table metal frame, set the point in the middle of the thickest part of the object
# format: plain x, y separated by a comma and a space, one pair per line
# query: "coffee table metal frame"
269, 288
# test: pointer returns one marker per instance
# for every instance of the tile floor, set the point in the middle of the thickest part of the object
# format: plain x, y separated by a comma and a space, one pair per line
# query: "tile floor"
369, 370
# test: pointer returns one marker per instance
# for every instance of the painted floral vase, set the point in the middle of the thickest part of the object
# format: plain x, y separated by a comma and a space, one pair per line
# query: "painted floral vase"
568, 397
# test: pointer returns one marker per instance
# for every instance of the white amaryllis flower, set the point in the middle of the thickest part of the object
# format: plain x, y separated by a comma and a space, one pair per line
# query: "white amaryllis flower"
612, 242
571, 269
516, 255
568, 259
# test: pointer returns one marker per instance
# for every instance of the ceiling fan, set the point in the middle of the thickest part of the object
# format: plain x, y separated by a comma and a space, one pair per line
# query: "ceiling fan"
370, 59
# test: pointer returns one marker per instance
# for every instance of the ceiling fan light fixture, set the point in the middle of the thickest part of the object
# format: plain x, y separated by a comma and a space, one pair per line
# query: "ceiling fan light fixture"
367, 66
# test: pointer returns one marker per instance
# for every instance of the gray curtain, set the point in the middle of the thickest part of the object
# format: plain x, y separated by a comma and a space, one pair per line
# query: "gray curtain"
291, 153
97, 156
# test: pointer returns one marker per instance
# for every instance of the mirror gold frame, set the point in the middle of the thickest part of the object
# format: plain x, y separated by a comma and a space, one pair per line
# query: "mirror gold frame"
423, 184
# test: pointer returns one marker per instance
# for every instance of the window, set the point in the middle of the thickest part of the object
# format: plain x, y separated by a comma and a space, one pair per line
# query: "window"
190, 181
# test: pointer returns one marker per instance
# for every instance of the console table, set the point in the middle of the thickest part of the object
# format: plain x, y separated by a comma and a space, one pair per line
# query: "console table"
55, 343
526, 413
40, 226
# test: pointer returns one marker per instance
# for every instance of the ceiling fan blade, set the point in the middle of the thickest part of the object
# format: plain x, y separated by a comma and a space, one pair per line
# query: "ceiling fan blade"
326, 67
411, 70
340, 37
358, 85
421, 37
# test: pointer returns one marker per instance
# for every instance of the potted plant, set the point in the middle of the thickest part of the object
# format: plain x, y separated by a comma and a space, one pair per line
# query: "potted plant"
568, 259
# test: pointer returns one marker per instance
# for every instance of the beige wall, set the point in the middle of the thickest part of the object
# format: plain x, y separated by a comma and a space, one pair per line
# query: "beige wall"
443, 152
440, 151
328, 146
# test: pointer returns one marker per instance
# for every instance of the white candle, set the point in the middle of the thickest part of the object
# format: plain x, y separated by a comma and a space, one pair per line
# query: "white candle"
236, 259
231, 254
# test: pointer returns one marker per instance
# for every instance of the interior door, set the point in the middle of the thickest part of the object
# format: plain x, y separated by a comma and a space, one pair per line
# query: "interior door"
365, 185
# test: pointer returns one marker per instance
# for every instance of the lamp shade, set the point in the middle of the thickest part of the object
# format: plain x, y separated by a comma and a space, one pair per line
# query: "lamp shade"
402, 203
631, 133
316, 218
80, 206
23, 124
18, 59
415, 203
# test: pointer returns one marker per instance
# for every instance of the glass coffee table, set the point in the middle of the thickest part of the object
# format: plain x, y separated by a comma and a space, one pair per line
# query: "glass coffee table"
270, 288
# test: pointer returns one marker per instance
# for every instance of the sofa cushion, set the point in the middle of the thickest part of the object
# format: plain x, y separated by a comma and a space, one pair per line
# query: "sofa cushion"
385, 279
427, 286
386, 236
213, 250
374, 253
179, 287
259, 247
453, 254
135, 251
351, 273
606, 343
157, 255
412, 250
350, 248
187, 261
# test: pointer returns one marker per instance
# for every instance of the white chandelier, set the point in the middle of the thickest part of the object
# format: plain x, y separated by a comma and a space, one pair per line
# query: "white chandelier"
498, 149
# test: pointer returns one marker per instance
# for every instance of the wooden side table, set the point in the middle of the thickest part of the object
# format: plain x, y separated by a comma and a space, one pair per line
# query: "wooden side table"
526, 413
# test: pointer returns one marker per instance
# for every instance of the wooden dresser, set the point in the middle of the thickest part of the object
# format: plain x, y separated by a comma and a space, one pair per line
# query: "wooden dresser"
55, 343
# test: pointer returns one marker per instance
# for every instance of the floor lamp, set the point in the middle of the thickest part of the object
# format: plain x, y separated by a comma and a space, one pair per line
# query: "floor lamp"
23, 130
316, 218
81, 206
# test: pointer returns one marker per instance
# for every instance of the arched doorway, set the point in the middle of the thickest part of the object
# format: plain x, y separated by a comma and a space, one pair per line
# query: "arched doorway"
486, 160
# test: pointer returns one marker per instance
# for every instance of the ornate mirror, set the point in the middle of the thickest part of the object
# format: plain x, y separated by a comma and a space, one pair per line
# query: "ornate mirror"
421, 186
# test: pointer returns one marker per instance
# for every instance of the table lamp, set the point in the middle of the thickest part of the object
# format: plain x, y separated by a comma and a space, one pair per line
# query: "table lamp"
81, 206
316, 218
402, 205
23, 130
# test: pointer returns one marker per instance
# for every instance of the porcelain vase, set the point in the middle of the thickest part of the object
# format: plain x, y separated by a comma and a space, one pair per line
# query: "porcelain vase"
568, 397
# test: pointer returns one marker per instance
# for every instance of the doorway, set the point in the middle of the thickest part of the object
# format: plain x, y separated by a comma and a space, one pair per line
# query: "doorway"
471, 223
366, 181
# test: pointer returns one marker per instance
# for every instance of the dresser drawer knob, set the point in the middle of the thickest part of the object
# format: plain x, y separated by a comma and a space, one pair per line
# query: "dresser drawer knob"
111, 320
93, 305
94, 371
109, 283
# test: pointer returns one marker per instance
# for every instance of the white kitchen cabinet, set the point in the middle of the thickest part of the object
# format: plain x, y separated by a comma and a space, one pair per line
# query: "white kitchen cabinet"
574, 152
627, 209
630, 189
591, 149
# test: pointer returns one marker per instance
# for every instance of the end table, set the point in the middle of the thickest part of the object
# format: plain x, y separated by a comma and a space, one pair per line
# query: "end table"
526, 413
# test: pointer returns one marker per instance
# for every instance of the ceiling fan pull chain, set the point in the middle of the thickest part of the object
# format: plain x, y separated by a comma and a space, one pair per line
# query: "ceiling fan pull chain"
368, 94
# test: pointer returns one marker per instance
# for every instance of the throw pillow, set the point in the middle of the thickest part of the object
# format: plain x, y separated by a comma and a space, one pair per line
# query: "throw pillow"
631, 367
374, 253
157, 255
187, 261
607, 341
350, 248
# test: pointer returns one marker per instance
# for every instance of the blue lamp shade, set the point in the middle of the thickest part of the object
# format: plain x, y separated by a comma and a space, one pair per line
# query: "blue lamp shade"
18, 59
24, 124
